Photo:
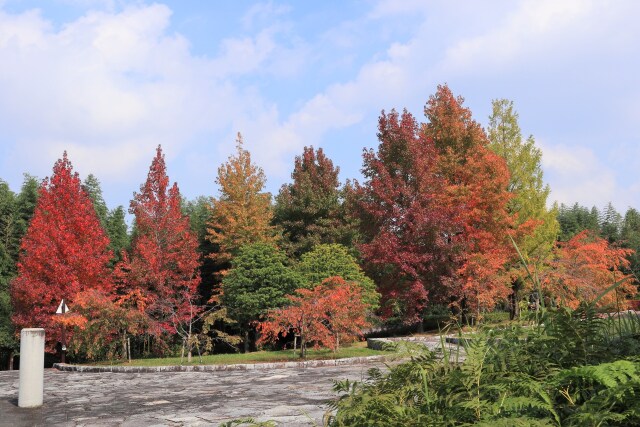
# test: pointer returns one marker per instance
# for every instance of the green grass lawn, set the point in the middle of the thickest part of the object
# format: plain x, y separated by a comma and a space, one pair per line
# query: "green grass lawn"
356, 350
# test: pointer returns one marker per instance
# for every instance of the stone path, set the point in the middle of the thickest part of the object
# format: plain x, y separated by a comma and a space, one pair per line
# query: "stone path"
289, 396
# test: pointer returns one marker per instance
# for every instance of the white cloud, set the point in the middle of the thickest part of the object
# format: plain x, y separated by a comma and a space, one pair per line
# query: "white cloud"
579, 175
110, 87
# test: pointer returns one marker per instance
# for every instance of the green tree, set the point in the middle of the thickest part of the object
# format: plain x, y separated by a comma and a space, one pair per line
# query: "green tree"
91, 185
610, 224
326, 261
575, 219
538, 225
26, 203
199, 212
630, 238
310, 210
9, 244
117, 230
259, 280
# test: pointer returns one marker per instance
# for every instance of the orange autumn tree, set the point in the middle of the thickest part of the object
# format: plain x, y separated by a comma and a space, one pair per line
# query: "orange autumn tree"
64, 253
584, 267
327, 315
475, 198
242, 214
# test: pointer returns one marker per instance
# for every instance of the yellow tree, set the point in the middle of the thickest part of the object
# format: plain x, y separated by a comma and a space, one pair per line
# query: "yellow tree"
537, 225
242, 214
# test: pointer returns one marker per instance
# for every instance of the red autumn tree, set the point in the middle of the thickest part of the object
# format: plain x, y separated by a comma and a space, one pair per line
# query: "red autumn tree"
64, 252
330, 313
475, 199
406, 250
584, 267
161, 273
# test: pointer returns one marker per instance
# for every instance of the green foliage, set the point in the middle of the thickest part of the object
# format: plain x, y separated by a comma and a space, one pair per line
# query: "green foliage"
524, 161
15, 214
576, 219
258, 281
310, 210
330, 260
116, 228
569, 368
91, 185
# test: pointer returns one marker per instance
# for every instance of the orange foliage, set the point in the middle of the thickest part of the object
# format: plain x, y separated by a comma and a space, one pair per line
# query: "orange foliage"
584, 267
330, 313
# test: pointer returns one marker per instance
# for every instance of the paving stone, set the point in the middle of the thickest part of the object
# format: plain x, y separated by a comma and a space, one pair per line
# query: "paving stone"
293, 396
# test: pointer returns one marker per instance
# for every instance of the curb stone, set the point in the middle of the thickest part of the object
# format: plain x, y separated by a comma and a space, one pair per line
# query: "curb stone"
214, 368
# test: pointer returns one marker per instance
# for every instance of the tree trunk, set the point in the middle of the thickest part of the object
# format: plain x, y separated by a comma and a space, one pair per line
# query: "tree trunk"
246, 340
11, 355
124, 346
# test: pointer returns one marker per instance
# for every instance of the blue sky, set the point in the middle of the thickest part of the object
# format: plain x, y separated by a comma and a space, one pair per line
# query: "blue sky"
110, 80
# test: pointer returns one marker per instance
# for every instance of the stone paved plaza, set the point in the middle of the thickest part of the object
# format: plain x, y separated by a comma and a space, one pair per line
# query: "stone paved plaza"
289, 396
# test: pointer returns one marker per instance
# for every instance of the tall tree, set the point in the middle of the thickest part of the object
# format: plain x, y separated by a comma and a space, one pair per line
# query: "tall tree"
92, 186
310, 210
575, 219
199, 212
610, 223
405, 249
630, 239
258, 281
475, 197
9, 244
117, 230
26, 202
242, 214
528, 205
163, 265
64, 252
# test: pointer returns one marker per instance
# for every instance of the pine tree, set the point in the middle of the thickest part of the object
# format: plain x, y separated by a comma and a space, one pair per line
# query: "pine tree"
117, 230
8, 254
163, 265
242, 214
64, 252
92, 186
610, 223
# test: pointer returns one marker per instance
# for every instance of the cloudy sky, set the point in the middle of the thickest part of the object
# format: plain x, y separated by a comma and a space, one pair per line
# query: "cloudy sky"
110, 80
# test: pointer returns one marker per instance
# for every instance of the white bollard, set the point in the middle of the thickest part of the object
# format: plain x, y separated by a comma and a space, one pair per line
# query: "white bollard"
31, 389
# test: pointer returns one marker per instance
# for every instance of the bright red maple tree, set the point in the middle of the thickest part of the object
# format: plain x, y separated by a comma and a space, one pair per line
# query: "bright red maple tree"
64, 252
161, 273
327, 315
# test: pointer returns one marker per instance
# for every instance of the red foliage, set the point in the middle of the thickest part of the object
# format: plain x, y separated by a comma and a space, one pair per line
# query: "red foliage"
434, 210
161, 276
64, 252
400, 216
475, 199
584, 267
331, 313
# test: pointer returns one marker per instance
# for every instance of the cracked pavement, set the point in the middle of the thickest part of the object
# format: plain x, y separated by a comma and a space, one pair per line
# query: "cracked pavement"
289, 396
